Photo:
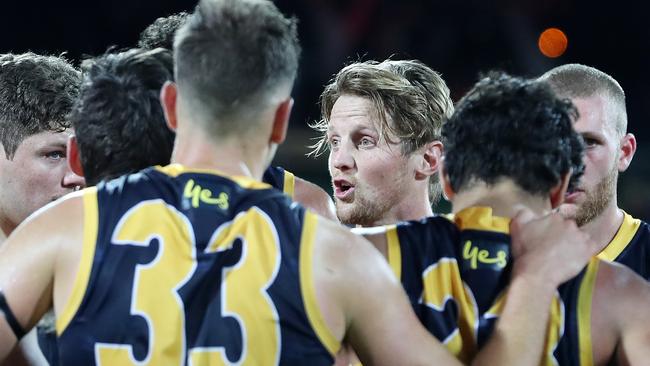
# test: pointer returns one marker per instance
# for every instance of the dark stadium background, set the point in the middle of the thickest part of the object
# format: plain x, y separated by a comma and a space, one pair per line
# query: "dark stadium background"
457, 38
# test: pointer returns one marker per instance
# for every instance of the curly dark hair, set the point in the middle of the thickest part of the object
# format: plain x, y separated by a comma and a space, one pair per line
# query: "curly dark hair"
510, 127
161, 32
230, 56
118, 120
36, 95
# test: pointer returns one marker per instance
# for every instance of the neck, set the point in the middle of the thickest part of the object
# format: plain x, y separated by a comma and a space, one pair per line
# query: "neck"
604, 227
231, 156
505, 198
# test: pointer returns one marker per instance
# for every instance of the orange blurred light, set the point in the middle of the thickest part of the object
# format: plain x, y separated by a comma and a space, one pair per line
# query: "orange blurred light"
552, 42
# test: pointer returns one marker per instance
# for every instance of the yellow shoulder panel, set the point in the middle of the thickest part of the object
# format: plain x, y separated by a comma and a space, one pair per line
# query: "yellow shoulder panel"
585, 295
622, 238
307, 288
80, 285
394, 251
289, 183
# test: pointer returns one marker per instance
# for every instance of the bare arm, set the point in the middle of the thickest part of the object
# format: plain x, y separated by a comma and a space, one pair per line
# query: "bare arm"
315, 198
27, 352
378, 320
620, 316
28, 261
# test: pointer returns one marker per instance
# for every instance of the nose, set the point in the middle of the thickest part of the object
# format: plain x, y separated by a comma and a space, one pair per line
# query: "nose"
72, 181
341, 158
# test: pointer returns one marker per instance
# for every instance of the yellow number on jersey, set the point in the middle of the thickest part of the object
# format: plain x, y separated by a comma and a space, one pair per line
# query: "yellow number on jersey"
253, 310
442, 282
155, 286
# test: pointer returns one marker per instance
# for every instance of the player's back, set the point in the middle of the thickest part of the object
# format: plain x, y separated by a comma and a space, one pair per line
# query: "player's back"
455, 271
191, 266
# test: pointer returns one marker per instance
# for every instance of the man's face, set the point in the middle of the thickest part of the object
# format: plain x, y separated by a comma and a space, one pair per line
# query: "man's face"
597, 187
37, 174
370, 177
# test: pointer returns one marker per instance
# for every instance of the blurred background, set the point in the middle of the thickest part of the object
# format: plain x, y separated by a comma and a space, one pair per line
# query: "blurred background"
456, 38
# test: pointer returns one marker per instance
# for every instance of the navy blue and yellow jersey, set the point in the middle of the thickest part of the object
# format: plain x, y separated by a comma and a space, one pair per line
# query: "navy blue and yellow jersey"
187, 267
455, 270
281, 179
630, 246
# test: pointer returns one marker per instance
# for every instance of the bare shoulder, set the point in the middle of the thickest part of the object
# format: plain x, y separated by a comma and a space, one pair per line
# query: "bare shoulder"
617, 280
348, 247
48, 225
314, 197
622, 298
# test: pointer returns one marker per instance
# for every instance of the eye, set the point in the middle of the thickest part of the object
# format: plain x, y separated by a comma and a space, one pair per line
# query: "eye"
590, 142
333, 142
55, 155
366, 142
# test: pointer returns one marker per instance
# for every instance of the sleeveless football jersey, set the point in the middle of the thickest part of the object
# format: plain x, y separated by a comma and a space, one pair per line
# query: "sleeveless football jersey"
276, 176
189, 267
630, 246
455, 270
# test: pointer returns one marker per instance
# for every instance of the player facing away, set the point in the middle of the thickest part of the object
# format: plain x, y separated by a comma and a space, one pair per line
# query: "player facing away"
610, 148
510, 144
160, 34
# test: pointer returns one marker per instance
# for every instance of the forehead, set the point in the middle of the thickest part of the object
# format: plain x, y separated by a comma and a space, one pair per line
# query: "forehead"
47, 138
352, 111
595, 115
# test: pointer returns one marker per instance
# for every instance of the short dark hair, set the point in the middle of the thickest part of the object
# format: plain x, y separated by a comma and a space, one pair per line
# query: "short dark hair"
36, 95
230, 56
509, 127
161, 32
118, 119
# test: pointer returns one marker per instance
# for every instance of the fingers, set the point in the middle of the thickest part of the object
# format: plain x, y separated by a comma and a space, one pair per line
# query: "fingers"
521, 218
568, 211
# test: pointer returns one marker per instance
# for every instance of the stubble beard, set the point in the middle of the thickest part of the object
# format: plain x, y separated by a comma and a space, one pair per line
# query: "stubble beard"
363, 212
598, 199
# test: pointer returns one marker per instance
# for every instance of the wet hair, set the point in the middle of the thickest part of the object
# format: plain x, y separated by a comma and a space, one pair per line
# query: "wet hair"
118, 119
509, 127
36, 95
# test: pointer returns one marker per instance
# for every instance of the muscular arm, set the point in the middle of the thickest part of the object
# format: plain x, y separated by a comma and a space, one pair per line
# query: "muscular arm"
620, 316
28, 261
315, 198
375, 316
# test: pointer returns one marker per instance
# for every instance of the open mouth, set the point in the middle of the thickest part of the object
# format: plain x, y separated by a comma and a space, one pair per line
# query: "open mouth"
572, 196
343, 189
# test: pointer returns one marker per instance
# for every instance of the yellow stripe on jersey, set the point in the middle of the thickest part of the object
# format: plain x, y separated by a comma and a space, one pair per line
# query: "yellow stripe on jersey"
394, 253
289, 183
480, 218
584, 313
174, 170
91, 219
307, 288
622, 238
555, 330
